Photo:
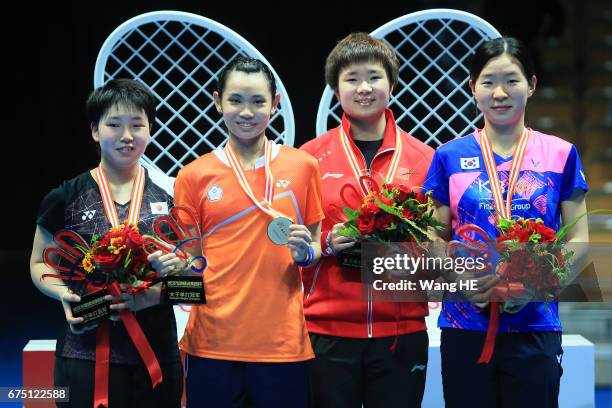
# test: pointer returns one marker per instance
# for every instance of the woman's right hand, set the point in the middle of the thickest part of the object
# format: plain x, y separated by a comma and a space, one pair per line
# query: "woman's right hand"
67, 298
483, 287
166, 264
338, 242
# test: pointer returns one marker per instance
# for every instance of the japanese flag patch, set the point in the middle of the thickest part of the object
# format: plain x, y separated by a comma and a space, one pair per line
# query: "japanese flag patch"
159, 208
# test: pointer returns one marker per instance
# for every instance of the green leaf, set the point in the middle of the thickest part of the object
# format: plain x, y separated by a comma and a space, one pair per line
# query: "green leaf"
563, 231
128, 258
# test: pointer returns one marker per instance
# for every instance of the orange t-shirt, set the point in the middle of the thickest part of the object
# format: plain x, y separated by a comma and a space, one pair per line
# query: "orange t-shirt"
253, 287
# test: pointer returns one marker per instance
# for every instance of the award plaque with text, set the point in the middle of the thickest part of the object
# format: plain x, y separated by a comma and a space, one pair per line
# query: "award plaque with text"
183, 289
92, 308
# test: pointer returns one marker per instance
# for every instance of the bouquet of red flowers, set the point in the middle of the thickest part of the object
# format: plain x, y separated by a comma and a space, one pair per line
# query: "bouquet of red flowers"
534, 265
533, 255
395, 213
392, 213
119, 256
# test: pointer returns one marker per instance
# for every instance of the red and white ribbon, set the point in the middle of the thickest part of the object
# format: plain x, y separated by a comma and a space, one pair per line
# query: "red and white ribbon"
503, 208
354, 165
109, 203
234, 163
143, 347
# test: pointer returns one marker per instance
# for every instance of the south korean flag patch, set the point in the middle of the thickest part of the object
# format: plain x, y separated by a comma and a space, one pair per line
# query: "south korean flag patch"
470, 163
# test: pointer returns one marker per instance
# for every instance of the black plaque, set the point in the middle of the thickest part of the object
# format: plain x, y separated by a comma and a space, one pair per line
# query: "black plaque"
350, 257
91, 308
183, 289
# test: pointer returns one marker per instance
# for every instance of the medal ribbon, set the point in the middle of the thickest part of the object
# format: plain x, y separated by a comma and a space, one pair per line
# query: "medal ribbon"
358, 172
129, 321
503, 209
234, 163
109, 204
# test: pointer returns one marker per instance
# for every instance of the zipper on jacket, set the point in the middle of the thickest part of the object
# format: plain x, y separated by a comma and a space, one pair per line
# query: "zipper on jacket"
314, 279
370, 317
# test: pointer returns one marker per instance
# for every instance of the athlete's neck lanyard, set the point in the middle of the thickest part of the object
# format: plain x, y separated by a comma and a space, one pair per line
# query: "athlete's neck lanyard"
109, 203
357, 171
503, 209
234, 163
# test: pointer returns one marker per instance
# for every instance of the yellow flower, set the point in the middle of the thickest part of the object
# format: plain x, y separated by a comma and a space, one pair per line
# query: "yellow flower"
116, 242
87, 263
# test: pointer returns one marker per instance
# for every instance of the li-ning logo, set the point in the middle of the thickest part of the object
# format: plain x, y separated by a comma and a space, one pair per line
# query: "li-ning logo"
334, 175
418, 367
88, 215
282, 183
468, 163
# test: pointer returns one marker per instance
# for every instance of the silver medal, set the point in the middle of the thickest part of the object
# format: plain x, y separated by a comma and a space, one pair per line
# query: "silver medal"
278, 230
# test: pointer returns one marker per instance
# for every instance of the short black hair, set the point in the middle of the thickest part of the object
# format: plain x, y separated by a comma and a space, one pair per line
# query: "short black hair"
125, 92
357, 48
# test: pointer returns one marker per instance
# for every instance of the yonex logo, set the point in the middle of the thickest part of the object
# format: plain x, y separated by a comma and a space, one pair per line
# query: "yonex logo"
559, 358
282, 183
88, 215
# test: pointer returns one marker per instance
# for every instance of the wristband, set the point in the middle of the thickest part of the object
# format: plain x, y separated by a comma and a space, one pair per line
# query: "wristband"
309, 258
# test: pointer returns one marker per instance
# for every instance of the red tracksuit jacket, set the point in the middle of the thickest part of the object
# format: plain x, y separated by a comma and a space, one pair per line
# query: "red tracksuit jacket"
334, 303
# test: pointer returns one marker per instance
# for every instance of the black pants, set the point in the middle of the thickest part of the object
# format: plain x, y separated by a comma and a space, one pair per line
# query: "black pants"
347, 373
129, 385
525, 370
213, 383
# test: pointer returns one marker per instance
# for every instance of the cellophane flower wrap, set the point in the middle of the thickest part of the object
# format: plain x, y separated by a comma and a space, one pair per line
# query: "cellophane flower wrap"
394, 213
119, 256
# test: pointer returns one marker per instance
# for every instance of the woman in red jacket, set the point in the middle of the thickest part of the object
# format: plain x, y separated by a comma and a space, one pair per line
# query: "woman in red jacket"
352, 336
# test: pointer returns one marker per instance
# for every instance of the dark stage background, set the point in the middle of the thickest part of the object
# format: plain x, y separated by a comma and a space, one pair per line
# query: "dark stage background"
49, 58
49, 55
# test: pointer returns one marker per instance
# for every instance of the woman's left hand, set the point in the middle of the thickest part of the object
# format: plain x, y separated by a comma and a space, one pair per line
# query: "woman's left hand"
125, 301
299, 242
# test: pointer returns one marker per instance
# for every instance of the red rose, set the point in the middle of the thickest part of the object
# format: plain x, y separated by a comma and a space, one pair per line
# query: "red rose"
134, 239
522, 234
382, 221
365, 223
386, 201
107, 262
371, 207
403, 192
547, 234
407, 214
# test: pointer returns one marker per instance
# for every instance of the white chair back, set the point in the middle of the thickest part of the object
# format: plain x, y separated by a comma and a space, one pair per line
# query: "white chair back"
179, 56
432, 100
